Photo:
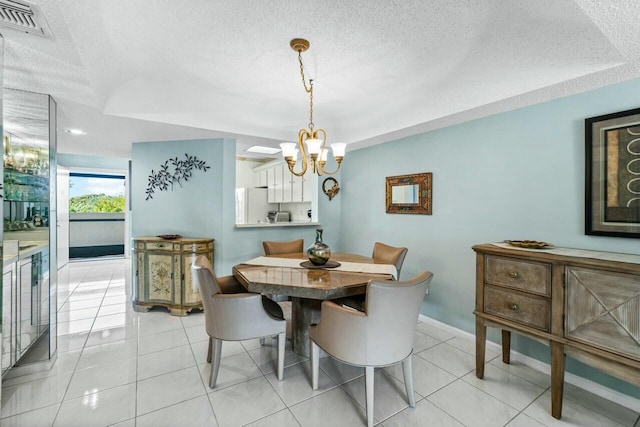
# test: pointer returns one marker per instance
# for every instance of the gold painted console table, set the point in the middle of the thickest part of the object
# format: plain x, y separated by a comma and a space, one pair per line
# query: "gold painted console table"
578, 302
162, 273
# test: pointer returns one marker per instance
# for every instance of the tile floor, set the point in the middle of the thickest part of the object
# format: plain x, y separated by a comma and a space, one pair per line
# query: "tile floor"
120, 368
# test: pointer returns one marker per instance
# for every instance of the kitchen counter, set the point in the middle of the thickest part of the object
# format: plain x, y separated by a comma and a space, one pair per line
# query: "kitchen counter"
279, 224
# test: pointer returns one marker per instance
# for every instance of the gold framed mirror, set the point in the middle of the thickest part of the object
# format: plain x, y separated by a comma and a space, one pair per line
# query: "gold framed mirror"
409, 194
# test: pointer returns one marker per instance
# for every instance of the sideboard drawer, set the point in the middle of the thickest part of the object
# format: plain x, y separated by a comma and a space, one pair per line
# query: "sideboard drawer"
529, 276
159, 246
529, 310
197, 247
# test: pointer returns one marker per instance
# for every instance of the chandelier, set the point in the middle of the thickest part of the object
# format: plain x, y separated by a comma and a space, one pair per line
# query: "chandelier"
315, 139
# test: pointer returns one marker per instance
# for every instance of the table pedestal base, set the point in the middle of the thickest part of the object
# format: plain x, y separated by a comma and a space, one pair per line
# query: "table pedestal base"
304, 312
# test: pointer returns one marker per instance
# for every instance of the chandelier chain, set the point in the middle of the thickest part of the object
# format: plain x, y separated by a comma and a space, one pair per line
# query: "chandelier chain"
308, 89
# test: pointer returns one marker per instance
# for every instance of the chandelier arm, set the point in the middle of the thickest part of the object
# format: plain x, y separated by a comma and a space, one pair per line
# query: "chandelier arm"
302, 136
321, 169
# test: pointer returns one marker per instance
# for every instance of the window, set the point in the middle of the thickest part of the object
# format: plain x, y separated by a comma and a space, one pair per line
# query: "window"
91, 192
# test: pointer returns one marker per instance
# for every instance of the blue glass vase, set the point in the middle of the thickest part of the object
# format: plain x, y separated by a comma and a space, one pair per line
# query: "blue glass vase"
319, 253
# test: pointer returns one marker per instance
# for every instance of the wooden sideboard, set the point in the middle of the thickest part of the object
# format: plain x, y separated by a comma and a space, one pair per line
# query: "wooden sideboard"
582, 303
162, 273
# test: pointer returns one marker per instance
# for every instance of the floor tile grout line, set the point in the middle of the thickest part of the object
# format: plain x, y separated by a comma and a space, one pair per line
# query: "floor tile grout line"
84, 346
500, 400
204, 382
442, 409
76, 366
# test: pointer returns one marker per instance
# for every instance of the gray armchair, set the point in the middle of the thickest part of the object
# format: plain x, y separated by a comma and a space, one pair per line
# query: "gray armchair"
381, 336
232, 314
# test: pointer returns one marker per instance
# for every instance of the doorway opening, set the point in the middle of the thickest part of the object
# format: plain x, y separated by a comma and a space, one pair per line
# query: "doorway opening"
97, 214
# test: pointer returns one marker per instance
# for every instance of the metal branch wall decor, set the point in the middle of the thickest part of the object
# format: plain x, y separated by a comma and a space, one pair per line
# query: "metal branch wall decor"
172, 172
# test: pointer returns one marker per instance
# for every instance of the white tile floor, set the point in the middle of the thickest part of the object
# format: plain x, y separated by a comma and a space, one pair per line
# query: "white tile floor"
120, 368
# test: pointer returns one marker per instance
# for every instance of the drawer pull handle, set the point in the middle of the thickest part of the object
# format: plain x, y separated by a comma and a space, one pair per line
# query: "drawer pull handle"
513, 275
513, 307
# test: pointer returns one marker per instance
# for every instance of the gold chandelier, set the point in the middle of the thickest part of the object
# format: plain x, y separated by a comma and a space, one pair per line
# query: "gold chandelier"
314, 139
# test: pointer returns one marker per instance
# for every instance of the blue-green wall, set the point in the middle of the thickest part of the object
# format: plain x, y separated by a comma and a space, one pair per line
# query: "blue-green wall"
515, 175
205, 206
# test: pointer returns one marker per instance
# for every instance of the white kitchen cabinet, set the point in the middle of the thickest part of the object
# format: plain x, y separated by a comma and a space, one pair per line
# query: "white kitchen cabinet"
260, 178
276, 184
282, 185
297, 184
301, 187
287, 184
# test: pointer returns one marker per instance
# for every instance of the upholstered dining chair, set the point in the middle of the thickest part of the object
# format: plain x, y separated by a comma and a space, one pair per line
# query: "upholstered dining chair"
384, 254
288, 247
285, 247
389, 255
232, 314
381, 336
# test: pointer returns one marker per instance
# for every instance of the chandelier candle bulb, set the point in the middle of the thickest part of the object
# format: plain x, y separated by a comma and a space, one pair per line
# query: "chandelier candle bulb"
314, 144
338, 149
289, 149
323, 155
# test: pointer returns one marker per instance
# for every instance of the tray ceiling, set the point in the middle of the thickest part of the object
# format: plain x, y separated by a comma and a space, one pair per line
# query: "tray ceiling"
127, 71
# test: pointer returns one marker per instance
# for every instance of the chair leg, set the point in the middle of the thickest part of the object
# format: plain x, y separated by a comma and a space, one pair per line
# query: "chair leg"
315, 361
282, 338
368, 385
407, 371
215, 364
209, 351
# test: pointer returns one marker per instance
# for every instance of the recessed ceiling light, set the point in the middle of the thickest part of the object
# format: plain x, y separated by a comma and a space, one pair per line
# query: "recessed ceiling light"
75, 131
262, 150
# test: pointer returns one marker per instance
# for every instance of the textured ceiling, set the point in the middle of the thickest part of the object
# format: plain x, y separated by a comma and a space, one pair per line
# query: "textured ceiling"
143, 70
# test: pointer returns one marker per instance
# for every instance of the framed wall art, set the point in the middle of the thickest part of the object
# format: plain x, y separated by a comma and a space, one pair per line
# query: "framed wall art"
409, 194
612, 174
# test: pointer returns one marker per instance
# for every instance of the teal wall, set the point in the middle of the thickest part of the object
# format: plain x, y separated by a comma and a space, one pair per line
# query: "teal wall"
515, 175
205, 206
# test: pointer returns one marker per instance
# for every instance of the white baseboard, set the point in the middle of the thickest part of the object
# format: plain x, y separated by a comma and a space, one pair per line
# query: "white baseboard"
585, 384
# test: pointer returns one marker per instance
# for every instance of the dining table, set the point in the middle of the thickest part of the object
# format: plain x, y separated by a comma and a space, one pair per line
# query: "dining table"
308, 286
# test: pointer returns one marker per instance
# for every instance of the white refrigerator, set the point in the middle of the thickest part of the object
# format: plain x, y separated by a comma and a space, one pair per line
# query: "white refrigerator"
252, 206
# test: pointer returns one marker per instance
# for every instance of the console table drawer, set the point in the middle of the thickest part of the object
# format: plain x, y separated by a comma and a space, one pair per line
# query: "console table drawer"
158, 246
198, 247
528, 276
529, 310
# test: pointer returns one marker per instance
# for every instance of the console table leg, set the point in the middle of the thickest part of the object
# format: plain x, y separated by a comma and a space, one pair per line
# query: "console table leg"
506, 346
557, 378
481, 337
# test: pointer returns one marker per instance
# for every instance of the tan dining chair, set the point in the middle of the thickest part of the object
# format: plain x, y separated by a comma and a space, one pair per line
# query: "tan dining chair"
233, 314
283, 247
381, 336
383, 254
390, 255
287, 247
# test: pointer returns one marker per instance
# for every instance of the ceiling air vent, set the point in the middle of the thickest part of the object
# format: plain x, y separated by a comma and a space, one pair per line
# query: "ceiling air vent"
23, 16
